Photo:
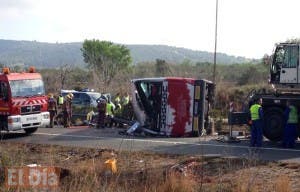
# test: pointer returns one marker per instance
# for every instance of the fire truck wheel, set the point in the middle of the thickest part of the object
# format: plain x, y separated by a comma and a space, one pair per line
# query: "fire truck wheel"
273, 119
30, 130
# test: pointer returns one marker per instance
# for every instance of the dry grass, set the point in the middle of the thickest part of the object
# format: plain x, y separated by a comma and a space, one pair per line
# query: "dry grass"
84, 170
283, 184
246, 183
177, 183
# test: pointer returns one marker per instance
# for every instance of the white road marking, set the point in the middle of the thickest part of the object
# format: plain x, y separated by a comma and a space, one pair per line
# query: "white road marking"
166, 142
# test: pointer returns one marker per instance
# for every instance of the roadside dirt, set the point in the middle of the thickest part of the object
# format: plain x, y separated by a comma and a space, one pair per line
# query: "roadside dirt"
83, 169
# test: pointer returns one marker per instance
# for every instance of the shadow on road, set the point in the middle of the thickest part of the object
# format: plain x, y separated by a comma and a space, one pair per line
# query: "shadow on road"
12, 135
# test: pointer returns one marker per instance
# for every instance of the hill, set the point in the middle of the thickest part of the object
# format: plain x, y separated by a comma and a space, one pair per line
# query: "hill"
143, 53
52, 55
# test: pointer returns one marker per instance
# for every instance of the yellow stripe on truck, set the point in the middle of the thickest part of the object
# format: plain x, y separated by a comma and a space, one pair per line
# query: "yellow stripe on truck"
195, 122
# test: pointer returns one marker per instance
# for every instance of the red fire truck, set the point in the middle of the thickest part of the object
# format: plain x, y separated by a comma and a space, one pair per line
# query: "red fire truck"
172, 106
23, 103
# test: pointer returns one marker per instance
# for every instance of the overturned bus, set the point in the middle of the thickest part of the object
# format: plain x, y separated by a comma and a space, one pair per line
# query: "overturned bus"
173, 106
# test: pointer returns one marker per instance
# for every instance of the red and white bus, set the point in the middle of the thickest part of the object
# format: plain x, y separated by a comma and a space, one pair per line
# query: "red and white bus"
173, 106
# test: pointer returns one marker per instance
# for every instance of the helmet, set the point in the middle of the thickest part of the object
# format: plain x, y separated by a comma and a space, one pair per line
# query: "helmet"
70, 96
103, 97
108, 98
50, 95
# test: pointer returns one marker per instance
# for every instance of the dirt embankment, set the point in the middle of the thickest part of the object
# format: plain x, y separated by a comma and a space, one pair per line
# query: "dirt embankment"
83, 169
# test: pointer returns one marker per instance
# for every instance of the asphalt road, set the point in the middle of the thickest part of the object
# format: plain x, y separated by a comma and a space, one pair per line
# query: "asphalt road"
110, 138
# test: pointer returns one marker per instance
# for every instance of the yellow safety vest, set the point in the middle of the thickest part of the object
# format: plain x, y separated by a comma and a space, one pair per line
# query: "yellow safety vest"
126, 100
293, 115
109, 109
60, 100
254, 110
117, 100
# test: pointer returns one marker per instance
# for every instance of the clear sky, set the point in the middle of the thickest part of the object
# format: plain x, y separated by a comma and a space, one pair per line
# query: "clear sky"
247, 28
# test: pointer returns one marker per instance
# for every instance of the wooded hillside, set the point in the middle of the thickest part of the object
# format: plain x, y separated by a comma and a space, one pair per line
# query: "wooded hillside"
53, 55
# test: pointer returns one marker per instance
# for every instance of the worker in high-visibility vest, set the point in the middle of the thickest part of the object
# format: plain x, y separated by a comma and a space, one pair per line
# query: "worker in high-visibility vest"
110, 107
291, 122
60, 100
125, 99
256, 113
117, 99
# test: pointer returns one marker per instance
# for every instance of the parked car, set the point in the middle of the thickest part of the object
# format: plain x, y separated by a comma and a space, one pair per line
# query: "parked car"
83, 102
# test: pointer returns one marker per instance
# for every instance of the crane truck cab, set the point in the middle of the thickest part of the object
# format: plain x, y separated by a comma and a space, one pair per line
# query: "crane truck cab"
173, 106
284, 69
23, 103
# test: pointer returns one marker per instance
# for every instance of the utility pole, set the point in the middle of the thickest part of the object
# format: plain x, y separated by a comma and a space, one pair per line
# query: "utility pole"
215, 53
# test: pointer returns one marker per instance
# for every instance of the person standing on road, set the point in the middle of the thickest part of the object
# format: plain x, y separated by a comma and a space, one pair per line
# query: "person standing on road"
60, 99
67, 110
125, 99
256, 113
52, 108
110, 110
101, 113
291, 122
117, 99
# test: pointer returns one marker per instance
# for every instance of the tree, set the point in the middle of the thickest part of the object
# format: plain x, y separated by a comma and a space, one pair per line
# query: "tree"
250, 76
64, 73
162, 68
105, 58
186, 62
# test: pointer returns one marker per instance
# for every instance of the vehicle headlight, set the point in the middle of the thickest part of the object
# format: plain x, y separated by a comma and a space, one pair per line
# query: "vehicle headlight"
46, 116
14, 120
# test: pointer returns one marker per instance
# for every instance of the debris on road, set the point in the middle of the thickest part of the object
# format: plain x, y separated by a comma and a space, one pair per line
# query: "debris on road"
111, 166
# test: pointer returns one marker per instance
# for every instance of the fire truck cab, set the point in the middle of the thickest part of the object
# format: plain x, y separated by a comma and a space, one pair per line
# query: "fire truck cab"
23, 103
172, 106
